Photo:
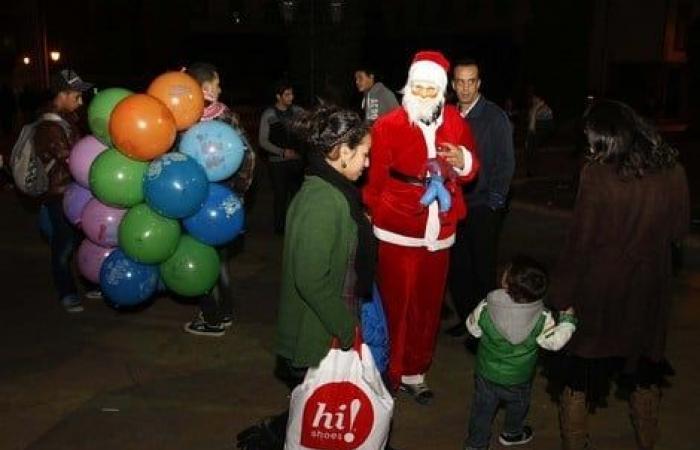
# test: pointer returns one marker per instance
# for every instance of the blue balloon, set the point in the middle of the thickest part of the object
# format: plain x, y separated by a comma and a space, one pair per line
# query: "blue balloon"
126, 282
221, 218
175, 185
216, 146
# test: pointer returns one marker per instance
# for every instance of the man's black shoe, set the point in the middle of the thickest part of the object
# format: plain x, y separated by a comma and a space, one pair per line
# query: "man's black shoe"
457, 331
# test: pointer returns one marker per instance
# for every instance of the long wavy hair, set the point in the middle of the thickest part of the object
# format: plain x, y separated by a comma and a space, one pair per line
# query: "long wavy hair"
618, 136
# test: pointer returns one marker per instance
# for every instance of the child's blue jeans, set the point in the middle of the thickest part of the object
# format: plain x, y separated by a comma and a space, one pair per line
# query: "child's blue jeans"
487, 397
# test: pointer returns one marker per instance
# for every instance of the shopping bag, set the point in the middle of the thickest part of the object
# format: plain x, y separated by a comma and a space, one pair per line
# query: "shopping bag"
341, 405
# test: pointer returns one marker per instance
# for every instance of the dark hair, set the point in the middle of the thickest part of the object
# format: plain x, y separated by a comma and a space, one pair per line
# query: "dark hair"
467, 62
202, 72
617, 135
526, 279
368, 69
327, 126
281, 86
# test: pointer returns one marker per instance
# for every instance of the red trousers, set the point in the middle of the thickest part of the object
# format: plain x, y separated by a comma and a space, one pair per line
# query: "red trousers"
411, 282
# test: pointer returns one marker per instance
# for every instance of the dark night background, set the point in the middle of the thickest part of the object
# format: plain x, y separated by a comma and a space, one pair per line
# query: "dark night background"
566, 50
121, 380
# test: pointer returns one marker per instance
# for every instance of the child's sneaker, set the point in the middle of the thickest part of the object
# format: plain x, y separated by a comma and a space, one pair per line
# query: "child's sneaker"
201, 328
508, 440
94, 294
71, 303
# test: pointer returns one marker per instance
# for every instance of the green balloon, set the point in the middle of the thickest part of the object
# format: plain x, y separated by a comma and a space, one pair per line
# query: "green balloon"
148, 237
117, 180
192, 270
101, 108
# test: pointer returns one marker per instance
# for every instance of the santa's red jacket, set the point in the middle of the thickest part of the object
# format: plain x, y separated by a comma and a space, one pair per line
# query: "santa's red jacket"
401, 148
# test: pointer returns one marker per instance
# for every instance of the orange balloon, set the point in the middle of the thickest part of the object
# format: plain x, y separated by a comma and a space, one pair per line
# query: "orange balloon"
183, 96
142, 127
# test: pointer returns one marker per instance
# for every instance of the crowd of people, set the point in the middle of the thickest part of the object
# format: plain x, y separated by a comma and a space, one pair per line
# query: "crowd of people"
411, 198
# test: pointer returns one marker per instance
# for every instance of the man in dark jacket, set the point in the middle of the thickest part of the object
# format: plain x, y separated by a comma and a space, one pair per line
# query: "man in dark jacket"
285, 164
54, 137
473, 257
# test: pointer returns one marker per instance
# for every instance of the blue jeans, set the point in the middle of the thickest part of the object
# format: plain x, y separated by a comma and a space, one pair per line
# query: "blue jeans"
63, 239
487, 397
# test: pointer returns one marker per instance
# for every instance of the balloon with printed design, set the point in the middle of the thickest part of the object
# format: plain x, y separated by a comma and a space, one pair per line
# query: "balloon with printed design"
183, 96
75, 199
216, 146
142, 127
221, 218
148, 237
117, 180
90, 259
100, 223
126, 282
175, 185
81, 158
192, 270
100, 110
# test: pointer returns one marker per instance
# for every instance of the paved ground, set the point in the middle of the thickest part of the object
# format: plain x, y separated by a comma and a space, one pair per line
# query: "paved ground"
109, 380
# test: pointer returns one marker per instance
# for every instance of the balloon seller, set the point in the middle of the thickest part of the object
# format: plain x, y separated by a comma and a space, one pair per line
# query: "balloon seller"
215, 312
55, 133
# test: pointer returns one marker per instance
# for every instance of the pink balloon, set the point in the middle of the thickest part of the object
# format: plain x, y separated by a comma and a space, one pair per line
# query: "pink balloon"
75, 200
81, 157
90, 259
101, 223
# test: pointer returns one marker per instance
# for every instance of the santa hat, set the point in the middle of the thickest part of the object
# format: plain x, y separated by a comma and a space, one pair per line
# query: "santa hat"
431, 67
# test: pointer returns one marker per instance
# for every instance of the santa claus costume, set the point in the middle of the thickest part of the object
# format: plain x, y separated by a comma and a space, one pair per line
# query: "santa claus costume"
414, 239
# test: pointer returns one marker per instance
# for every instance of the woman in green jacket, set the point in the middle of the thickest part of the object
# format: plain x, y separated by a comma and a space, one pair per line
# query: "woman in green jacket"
328, 258
329, 254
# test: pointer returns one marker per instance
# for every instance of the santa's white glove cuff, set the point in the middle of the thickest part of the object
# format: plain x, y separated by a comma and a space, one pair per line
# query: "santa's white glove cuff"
468, 161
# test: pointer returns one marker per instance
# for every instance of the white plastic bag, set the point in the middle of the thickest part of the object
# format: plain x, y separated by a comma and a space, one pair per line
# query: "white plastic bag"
341, 405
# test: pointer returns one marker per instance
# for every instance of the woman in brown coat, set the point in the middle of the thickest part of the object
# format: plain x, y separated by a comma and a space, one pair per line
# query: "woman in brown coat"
615, 270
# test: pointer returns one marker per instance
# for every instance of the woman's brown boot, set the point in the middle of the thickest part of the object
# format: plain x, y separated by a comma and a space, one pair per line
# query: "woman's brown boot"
644, 411
573, 418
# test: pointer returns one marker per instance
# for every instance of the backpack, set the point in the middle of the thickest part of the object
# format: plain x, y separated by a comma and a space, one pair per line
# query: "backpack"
29, 172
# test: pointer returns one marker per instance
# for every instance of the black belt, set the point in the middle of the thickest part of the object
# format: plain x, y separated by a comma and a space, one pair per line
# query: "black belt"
415, 181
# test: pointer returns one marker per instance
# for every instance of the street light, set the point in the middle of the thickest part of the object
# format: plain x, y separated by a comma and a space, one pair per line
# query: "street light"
26, 60
336, 10
55, 56
287, 10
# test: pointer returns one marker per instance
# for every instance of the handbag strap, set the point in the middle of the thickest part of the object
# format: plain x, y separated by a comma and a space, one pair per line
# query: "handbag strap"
356, 345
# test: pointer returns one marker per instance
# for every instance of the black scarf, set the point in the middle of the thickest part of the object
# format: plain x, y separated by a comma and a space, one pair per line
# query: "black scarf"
366, 253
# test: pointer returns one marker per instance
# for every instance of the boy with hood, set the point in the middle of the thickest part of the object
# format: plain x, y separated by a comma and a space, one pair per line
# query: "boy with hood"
512, 323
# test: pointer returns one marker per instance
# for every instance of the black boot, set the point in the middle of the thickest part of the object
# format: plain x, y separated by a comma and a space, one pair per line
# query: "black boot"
267, 435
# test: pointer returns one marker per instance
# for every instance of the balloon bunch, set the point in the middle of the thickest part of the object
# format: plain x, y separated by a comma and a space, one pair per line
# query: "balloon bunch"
152, 212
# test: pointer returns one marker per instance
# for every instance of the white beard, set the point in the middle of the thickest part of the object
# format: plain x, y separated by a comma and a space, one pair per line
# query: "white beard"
419, 109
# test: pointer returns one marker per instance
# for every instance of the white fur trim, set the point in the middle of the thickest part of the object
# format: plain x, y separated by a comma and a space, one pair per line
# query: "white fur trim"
432, 225
468, 162
408, 241
413, 379
429, 72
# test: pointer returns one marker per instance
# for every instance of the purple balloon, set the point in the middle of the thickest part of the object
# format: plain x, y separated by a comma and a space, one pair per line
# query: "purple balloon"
81, 157
101, 223
90, 259
75, 199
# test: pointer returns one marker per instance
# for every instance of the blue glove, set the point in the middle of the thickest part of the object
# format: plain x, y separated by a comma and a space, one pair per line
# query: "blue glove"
436, 191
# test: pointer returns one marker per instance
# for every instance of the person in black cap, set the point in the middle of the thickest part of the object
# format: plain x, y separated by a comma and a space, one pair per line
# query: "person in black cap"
55, 135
